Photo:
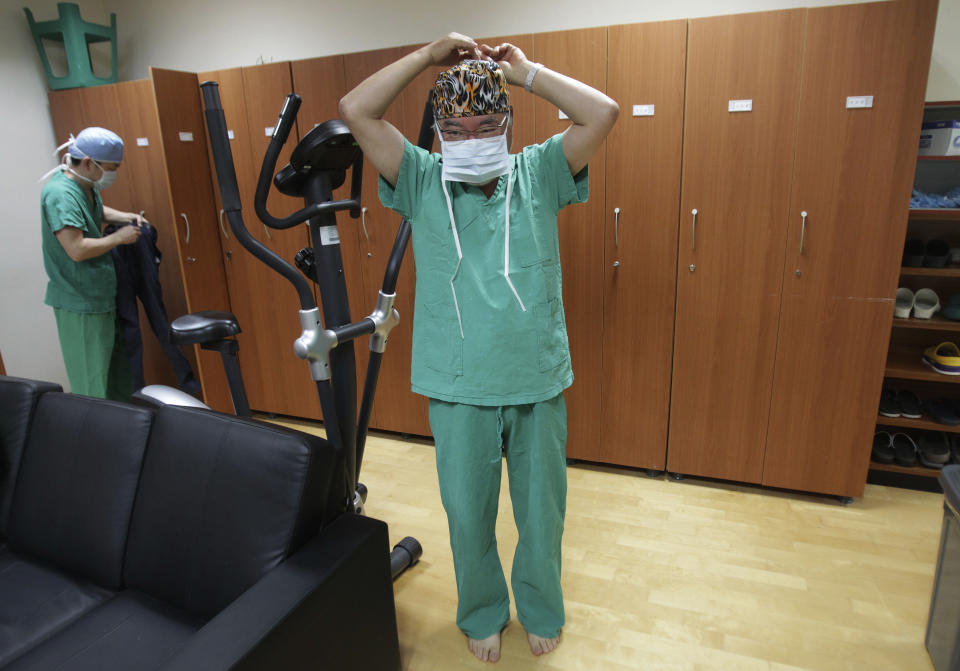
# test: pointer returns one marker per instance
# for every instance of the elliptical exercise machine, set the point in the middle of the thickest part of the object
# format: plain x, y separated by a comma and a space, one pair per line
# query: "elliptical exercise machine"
317, 166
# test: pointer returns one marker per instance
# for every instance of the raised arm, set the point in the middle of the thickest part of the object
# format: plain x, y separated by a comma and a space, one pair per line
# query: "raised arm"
592, 113
363, 108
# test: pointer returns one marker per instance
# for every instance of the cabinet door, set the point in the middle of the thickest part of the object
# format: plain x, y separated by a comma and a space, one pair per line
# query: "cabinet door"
581, 54
143, 166
177, 100
736, 174
853, 177
646, 67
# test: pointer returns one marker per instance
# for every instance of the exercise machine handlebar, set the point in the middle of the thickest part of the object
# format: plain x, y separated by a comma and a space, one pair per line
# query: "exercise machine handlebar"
230, 192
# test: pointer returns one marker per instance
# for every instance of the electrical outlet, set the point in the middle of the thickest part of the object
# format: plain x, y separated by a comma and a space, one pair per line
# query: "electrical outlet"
740, 106
643, 110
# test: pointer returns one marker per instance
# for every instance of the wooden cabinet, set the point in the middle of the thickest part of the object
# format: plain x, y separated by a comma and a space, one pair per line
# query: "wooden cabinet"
581, 54
737, 168
785, 295
645, 67
853, 174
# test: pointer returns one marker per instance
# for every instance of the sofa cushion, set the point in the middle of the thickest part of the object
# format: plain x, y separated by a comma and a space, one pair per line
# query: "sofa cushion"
131, 631
77, 481
222, 500
18, 400
37, 601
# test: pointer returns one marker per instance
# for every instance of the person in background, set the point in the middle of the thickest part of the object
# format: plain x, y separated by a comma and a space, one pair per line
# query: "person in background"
490, 346
82, 285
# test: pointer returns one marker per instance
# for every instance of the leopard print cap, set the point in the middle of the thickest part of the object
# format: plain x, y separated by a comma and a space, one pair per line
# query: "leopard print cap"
470, 88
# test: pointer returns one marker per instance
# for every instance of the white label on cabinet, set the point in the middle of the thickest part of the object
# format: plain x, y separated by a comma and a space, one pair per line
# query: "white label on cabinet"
229, 134
143, 142
740, 106
186, 137
562, 115
268, 131
643, 110
859, 102
329, 235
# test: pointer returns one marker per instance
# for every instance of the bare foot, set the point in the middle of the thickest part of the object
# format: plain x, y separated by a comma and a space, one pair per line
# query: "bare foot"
541, 646
486, 650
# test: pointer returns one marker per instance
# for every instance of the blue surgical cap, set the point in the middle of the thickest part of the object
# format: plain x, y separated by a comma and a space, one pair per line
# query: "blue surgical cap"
99, 144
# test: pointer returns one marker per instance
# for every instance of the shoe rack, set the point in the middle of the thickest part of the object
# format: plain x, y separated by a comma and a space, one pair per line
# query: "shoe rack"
910, 337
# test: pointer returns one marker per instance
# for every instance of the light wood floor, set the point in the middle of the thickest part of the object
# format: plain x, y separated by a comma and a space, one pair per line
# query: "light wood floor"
682, 575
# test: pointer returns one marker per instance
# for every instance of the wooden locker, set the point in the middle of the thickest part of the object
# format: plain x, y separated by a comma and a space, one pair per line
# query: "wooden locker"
581, 54
179, 110
645, 67
737, 169
854, 171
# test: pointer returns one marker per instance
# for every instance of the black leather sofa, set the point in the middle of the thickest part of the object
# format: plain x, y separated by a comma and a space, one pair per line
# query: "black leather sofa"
179, 538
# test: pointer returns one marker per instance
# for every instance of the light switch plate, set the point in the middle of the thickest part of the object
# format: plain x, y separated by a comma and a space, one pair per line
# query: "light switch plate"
643, 110
740, 106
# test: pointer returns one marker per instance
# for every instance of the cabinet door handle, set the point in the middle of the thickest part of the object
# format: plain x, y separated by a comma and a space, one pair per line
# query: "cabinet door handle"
694, 238
363, 222
222, 229
186, 240
803, 229
616, 226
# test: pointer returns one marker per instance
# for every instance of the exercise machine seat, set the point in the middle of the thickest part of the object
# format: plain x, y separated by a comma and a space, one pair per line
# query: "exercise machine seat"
203, 327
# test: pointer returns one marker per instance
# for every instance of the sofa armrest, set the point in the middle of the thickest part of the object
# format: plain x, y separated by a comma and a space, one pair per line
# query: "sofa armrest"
328, 606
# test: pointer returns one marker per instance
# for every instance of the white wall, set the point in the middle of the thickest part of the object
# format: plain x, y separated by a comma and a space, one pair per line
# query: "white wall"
199, 35
944, 82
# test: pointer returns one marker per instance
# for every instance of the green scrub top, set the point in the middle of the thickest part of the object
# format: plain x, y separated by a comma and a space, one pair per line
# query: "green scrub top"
506, 356
78, 286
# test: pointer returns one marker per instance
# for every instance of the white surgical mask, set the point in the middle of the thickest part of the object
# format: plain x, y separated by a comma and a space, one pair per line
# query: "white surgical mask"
107, 178
475, 161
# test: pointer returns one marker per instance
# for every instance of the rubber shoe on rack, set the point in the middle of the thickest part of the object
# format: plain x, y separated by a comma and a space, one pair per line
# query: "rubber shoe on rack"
952, 309
913, 253
936, 254
909, 404
882, 448
955, 448
934, 449
904, 304
942, 410
944, 358
904, 450
925, 304
888, 403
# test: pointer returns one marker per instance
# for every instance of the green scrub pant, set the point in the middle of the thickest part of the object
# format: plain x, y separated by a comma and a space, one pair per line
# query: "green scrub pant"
94, 355
468, 442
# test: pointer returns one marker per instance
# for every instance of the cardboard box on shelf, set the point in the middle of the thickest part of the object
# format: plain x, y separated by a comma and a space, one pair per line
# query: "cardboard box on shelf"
940, 138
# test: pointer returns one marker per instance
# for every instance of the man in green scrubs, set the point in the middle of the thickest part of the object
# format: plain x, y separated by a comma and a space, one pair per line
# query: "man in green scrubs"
76, 255
489, 339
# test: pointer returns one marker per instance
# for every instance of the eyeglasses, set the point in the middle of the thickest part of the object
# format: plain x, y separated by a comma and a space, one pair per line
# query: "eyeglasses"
486, 129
